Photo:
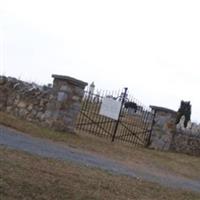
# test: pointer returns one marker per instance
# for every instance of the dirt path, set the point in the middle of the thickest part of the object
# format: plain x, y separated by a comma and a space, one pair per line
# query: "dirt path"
16, 140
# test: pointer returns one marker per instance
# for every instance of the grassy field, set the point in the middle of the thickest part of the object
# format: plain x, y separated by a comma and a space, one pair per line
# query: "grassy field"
154, 161
26, 177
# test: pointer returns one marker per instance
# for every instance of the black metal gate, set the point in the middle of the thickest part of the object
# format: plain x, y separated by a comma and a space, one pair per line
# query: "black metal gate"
134, 124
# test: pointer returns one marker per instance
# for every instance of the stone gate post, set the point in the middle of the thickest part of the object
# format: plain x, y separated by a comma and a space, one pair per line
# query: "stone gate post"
164, 128
65, 106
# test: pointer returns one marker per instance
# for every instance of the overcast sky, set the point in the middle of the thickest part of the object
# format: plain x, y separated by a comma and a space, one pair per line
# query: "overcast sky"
152, 47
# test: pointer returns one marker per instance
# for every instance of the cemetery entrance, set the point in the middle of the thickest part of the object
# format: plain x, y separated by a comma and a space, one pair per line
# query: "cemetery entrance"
116, 116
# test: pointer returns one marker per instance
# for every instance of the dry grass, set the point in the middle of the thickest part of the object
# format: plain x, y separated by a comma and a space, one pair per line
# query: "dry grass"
153, 161
24, 176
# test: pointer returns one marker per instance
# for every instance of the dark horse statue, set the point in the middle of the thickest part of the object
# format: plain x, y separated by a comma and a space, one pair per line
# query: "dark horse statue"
131, 105
184, 110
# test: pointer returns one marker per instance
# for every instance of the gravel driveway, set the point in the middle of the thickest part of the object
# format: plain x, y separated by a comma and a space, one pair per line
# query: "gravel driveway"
45, 148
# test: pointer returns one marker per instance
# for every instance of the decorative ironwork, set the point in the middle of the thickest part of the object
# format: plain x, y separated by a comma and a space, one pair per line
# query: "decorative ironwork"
134, 124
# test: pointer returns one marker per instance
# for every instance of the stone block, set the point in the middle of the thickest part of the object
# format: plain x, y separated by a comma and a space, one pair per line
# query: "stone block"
62, 96
76, 98
65, 88
21, 104
30, 107
9, 109
22, 112
48, 114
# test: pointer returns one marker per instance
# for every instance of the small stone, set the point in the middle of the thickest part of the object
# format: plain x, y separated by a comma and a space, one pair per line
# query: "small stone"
9, 108
2, 106
30, 107
42, 117
39, 115
21, 104
48, 114
62, 96
76, 98
42, 102
65, 88
51, 97
34, 113
16, 101
79, 91
23, 112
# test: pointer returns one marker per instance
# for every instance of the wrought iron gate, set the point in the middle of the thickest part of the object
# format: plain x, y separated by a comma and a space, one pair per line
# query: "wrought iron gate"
134, 124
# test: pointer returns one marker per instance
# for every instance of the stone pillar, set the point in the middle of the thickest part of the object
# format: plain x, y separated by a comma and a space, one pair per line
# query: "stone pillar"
3, 93
164, 128
65, 107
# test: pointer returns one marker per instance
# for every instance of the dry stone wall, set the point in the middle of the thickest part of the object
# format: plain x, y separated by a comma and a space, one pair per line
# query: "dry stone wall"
56, 107
186, 143
167, 136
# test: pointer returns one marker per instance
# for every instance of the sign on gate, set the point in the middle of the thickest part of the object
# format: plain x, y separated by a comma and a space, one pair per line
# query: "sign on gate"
110, 108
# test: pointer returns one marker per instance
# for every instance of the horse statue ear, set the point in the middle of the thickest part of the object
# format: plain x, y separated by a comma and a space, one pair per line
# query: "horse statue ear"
188, 103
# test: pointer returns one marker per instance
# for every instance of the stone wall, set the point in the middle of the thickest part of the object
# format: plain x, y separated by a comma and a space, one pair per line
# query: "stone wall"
56, 107
167, 136
186, 143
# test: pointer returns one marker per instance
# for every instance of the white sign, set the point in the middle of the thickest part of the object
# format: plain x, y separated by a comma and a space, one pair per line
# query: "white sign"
110, 108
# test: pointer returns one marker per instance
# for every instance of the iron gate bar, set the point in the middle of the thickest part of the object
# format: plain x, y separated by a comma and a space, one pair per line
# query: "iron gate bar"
130, 127
91, 112
141, 123
96, 133
146, 127
127, 134
117, 122
125, 139
102, 121
152, 124
131, 133
135, 134
94, 123
130, 136
144, 118
123, 133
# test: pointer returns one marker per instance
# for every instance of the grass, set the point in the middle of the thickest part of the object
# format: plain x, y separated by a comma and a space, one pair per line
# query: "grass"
26, 177
150, 160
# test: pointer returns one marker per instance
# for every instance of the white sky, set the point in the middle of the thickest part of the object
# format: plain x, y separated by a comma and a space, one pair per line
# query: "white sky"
152, 47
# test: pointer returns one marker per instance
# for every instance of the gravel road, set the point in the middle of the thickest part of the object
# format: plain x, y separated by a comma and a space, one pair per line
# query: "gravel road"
45, 148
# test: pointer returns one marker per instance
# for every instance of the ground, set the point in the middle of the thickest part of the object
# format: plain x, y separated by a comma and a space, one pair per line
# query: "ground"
72, 180
24, 176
